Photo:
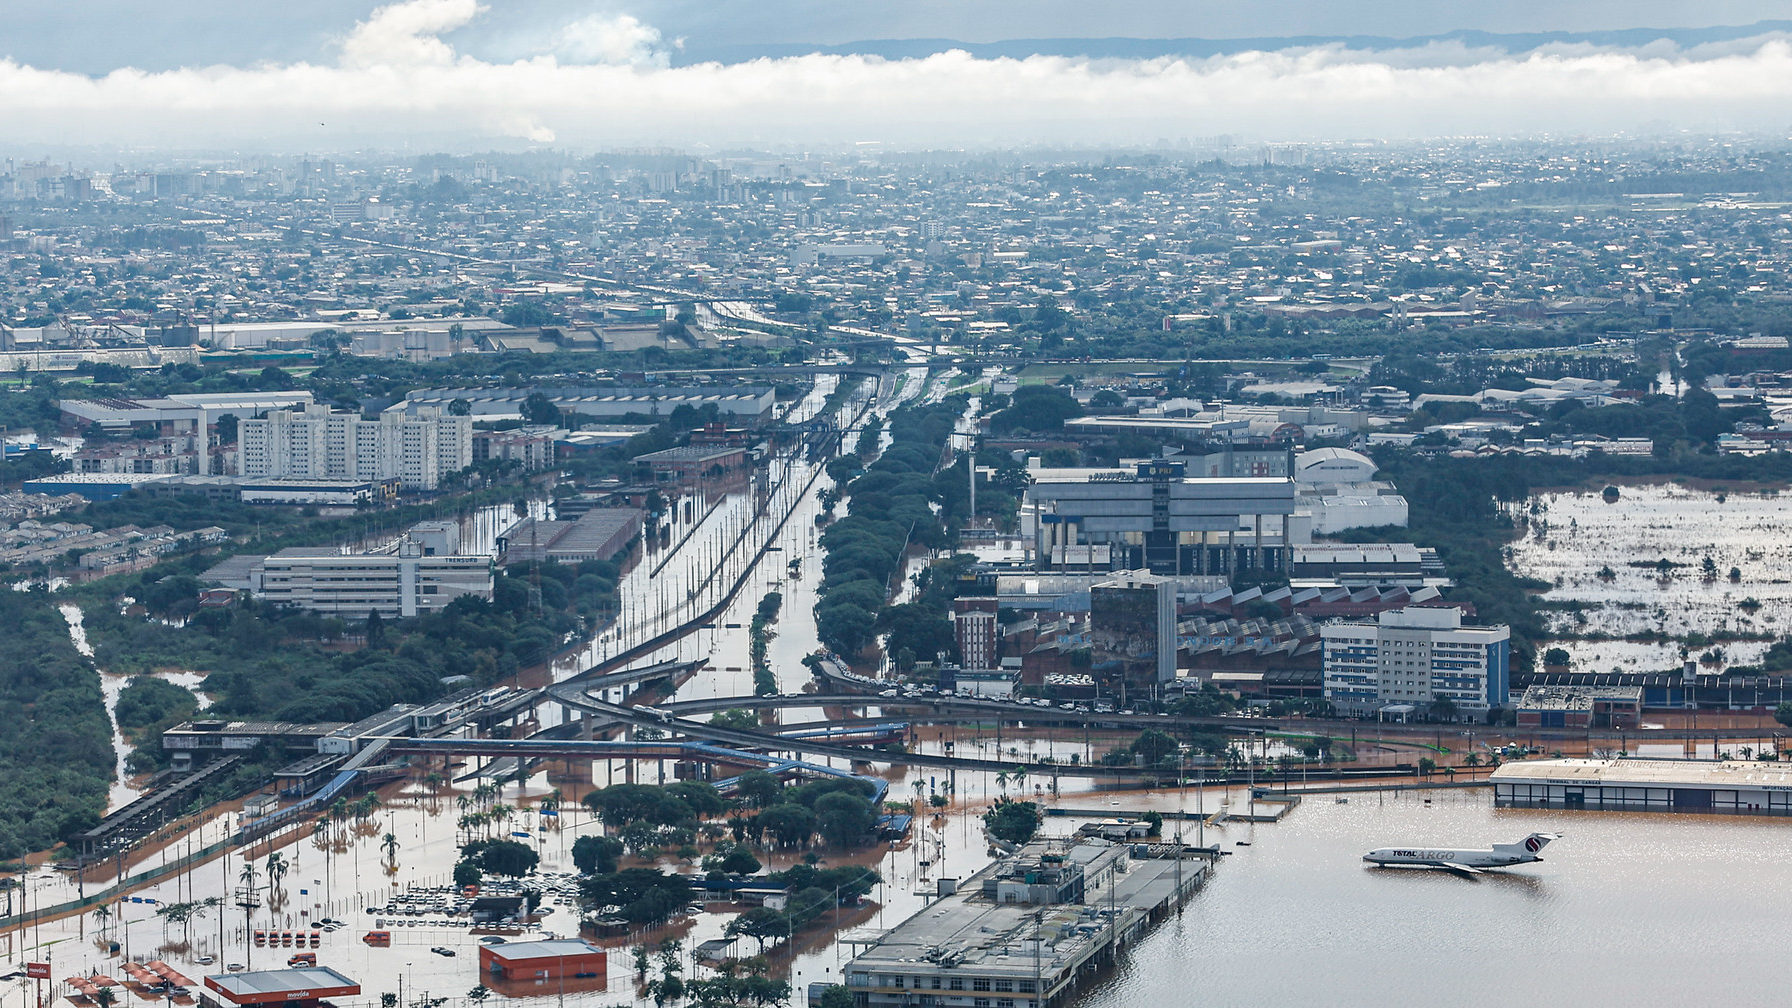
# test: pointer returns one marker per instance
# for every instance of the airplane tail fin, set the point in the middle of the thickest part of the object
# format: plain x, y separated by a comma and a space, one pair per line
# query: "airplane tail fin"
1535, 843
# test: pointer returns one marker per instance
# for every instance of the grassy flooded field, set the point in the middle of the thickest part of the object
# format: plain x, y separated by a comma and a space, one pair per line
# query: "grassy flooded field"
1700, 568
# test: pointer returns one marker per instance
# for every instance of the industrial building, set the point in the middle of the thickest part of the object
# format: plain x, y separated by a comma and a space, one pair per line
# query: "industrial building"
1412, 658
1633, 784
1024, 930
422, 574
175, 414
318, 442
93, 486
1156, 517
294, 490
744, 403
1580, 707
686, 467
1338, 489
597, 534
1368, 565
542, 960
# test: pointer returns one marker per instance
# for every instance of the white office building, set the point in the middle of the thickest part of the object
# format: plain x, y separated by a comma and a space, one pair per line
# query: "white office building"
423, 575
317, 443
1410, 658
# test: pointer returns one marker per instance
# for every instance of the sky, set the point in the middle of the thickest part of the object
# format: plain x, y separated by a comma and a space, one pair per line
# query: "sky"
258, 75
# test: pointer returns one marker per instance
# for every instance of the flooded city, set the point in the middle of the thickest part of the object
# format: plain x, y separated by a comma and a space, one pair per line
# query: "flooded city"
906, 505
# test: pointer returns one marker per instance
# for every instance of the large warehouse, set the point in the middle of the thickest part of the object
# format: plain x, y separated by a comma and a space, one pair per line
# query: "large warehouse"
1742, 787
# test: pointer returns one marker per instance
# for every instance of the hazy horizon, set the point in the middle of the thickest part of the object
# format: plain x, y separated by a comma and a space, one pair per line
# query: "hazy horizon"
454, 74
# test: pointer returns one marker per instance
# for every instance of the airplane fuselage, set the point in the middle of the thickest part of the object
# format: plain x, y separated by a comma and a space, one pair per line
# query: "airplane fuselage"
1438, 857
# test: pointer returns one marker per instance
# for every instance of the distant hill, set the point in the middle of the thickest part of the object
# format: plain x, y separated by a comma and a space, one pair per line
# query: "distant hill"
1196, 48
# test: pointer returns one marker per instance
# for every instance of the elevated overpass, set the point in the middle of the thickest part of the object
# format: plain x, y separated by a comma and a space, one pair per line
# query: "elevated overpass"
574, 696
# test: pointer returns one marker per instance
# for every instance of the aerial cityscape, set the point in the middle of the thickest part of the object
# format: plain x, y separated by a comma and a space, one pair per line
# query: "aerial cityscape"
926, 506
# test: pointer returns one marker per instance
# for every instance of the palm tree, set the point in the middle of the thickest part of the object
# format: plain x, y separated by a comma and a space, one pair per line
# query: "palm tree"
104, 997
102, 915
339, 810
277, 869
389, 844
1002, 781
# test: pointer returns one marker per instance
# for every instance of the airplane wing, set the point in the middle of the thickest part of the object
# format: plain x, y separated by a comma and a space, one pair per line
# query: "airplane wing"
1464, 869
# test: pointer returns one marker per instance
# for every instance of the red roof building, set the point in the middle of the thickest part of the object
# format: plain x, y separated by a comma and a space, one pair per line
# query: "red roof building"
304, 986
543, 960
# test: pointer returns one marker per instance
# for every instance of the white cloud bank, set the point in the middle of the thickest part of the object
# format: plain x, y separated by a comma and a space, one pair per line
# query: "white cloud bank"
607, 81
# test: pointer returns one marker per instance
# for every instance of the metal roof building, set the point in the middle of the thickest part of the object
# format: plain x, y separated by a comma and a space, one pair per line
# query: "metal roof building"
1632, 784
306, 985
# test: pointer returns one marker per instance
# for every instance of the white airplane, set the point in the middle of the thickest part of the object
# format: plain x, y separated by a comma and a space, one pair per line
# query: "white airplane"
1468, 862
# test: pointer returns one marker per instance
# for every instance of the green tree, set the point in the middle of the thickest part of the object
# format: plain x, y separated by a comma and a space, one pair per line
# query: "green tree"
789, 823
740, 860
539, 409
758, 789
844, 818
596, 855
1012, 821
1154, 745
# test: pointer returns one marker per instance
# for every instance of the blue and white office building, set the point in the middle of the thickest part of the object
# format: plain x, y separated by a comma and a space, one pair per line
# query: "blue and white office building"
1414, 657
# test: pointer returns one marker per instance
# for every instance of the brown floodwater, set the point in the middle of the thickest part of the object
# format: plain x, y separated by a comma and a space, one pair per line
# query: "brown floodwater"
1626, 909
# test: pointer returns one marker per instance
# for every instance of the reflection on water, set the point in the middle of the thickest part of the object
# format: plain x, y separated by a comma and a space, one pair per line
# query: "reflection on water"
1626, 909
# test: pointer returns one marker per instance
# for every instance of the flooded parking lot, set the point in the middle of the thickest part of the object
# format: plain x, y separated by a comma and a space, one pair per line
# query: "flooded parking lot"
1605, 557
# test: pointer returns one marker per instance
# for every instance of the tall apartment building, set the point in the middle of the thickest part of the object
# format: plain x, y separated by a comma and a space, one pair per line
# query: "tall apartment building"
533, 447
1132, 630
423, 575
1417, 656
974, 623
316, 442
